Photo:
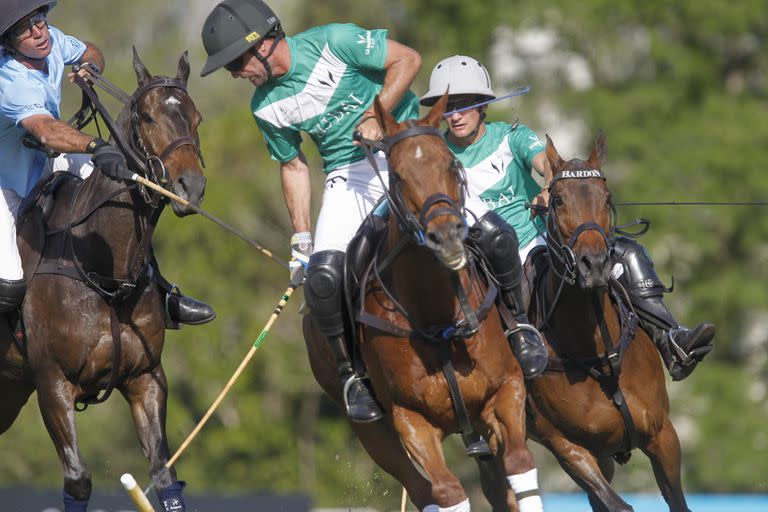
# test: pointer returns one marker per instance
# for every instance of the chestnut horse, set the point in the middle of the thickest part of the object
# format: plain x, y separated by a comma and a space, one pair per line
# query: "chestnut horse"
433, 323
100, 324
604, 393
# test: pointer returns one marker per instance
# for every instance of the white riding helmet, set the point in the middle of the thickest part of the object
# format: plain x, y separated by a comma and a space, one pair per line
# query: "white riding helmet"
464, 75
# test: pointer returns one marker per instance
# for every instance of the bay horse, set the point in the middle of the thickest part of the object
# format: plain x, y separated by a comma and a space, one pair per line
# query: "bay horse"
431, 338
604, 393
99, 323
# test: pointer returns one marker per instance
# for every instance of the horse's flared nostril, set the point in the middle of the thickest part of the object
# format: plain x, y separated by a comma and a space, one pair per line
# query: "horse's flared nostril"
434, 238
461, 230
191, 187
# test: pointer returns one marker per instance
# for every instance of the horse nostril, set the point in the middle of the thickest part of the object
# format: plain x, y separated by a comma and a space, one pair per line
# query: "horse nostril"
461, 230
434, 238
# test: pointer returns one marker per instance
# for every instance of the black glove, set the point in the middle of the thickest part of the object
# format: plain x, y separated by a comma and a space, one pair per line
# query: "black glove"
109, 159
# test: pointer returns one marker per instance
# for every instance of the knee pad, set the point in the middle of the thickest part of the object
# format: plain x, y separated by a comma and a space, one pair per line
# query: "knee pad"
324, 291
640, 277
12, 293
498, 242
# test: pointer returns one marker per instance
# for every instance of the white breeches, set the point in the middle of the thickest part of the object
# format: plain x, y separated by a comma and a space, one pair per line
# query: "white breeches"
350, 194
10, 262
459, 507
524, 251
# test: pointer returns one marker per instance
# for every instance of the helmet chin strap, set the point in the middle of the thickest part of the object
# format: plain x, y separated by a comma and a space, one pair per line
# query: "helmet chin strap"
263, 58
471, 136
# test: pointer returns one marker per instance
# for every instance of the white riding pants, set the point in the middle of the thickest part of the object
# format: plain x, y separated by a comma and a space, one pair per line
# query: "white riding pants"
350, 194
10, 262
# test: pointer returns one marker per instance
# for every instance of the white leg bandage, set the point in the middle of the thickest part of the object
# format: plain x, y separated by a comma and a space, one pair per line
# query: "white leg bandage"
526, 489
459, 507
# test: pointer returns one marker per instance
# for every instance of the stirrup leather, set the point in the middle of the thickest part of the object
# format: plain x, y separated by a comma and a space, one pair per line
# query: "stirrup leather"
170, 323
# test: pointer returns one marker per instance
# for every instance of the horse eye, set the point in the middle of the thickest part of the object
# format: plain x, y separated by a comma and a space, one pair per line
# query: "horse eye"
556, 201
146, 117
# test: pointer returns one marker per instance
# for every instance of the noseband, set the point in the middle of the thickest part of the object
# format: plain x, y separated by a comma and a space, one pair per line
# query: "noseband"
157, 162
409, 222
562, 250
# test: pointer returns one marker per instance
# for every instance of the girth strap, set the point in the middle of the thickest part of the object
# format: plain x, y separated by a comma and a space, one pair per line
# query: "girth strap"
83, 404
472, 440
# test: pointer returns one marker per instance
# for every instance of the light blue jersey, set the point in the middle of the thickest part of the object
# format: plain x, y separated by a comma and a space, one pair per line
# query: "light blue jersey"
26, 92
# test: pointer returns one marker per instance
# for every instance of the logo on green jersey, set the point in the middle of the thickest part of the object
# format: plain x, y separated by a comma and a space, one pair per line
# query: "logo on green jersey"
367, 40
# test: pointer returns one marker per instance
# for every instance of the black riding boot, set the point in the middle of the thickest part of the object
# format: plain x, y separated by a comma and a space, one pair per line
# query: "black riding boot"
179, 309
11, 293
681, 348
498, 242
359, 402
323, 292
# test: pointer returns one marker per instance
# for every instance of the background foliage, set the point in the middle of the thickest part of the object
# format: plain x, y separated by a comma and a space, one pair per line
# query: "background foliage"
680, 91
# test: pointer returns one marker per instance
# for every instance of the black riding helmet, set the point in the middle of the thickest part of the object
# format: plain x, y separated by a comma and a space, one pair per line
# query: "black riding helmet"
15, 10
235, 26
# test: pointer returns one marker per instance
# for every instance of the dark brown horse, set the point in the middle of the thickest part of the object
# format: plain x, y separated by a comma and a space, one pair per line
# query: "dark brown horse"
604, 393
99, 324
436, 324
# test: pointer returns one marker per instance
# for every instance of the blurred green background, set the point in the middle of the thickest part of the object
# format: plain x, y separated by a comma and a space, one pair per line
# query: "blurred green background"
681, 91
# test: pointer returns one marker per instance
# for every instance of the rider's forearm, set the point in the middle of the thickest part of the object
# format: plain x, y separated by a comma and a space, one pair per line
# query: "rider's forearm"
94, 56
297, 190
56, 135
541, 165
402, 64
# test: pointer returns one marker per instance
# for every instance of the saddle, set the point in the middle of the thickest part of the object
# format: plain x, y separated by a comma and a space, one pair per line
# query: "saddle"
34, 218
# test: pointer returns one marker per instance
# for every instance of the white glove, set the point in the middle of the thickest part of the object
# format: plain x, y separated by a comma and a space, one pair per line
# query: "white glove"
301, 250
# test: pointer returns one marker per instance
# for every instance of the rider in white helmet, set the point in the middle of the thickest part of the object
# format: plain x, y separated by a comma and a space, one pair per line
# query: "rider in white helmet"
498, 158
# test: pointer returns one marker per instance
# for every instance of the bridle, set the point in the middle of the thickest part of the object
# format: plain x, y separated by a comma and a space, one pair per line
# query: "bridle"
136, 151
562, 250
415, 226
155, 162
410, 222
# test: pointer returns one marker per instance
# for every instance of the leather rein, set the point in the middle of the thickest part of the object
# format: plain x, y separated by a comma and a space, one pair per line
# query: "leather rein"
561, 251
415, 226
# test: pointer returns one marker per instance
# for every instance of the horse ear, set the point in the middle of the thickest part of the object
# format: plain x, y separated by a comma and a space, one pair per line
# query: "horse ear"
435, 115
384, 118
555, 161
183, 71
142, 74
597, 157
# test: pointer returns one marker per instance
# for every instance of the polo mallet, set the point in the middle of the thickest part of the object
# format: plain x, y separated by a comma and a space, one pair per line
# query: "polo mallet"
256, 344
516, 92
170, 195
134, 491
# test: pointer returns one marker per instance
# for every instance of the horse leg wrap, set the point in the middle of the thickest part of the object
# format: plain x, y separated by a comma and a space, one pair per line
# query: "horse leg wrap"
459, 507
73, 505
526, 489
171, 498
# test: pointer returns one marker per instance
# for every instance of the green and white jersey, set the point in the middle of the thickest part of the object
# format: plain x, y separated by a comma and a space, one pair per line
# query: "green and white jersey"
499, 175
336, 71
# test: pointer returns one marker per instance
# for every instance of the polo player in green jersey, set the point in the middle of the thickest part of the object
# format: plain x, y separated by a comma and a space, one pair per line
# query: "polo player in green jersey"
321, 82
498, 158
